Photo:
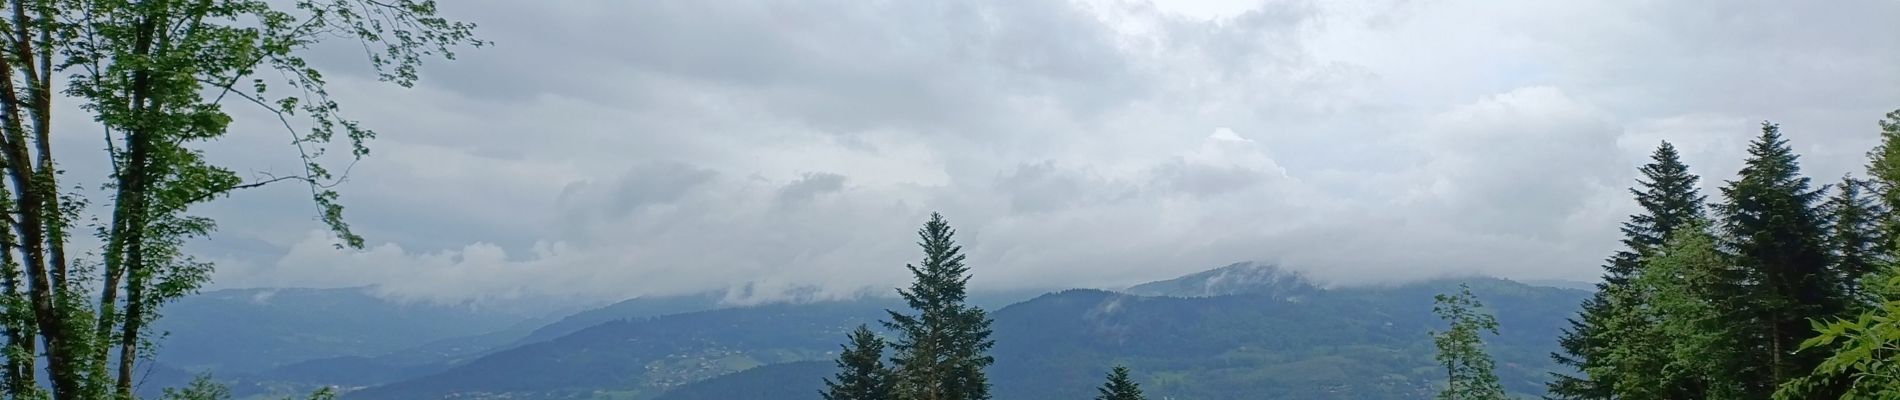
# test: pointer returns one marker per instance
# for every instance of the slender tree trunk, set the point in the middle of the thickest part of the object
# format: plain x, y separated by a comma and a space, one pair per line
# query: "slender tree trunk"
134, 322
29, 197
131, 212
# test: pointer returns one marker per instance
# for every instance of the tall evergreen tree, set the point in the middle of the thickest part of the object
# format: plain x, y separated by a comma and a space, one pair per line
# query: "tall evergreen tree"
1119, 386
1883, 180
1469, 371
1854, 237
1774, 230
1883, 172
861, 371
942, 349
1669, 199
1864, 362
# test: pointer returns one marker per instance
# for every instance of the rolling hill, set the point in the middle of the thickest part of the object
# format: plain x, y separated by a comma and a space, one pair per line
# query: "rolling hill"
242, 331
1271, 336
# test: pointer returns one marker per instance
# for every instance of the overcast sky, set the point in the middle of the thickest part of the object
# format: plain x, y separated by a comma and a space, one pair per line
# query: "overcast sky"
607, 149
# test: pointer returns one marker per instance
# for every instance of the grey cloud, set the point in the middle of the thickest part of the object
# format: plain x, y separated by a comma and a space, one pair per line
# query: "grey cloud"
654, 185
1204, 180
839, 66
1044, 187
1070, 143
810, 186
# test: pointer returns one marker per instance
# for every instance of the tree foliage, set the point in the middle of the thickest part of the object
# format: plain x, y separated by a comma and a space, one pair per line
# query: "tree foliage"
861, 371
156, 75
1863, 351
1693, 300
1469, 371
1773, 228
1731, 309
941, 349
1615, 321
1854, 238
1119, 386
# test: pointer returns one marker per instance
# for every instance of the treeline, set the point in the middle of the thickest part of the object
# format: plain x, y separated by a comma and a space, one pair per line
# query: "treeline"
1781, 289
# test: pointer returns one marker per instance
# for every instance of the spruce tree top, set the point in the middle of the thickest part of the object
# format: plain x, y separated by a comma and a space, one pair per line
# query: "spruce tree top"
1669, 200
1771, 164
1120, 386
940, 351
942, 277
1668, 195
861, 371
1771, 204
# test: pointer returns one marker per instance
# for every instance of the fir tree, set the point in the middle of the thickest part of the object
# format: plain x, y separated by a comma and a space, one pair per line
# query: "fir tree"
1669, 199
1577, 346
1469, 371
1119, 386
942, 349
1864, 361
1853, 237
861, 372
1775, 233
1883, 172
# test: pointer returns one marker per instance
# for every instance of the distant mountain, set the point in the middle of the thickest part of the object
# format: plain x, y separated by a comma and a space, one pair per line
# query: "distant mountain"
1562, 283
441, 355
1274, 339
359, 371
356, 371
638, 307
793, 380
1238, 278
640, 358
248, 330
1356, 343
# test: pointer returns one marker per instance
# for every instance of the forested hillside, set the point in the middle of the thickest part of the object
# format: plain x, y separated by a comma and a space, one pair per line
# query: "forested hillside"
249, 330
1343, 343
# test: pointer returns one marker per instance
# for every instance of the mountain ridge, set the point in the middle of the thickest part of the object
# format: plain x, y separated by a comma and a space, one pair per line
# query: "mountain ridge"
1266, 317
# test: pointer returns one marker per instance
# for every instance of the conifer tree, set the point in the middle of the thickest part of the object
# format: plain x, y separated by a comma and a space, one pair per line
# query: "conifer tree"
1669, 199
1469, 371
1853, 237
941, 349
1120, 386
1883, 181
1883, 173
1578, 346
861, 371
1864, 362
1774, 230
